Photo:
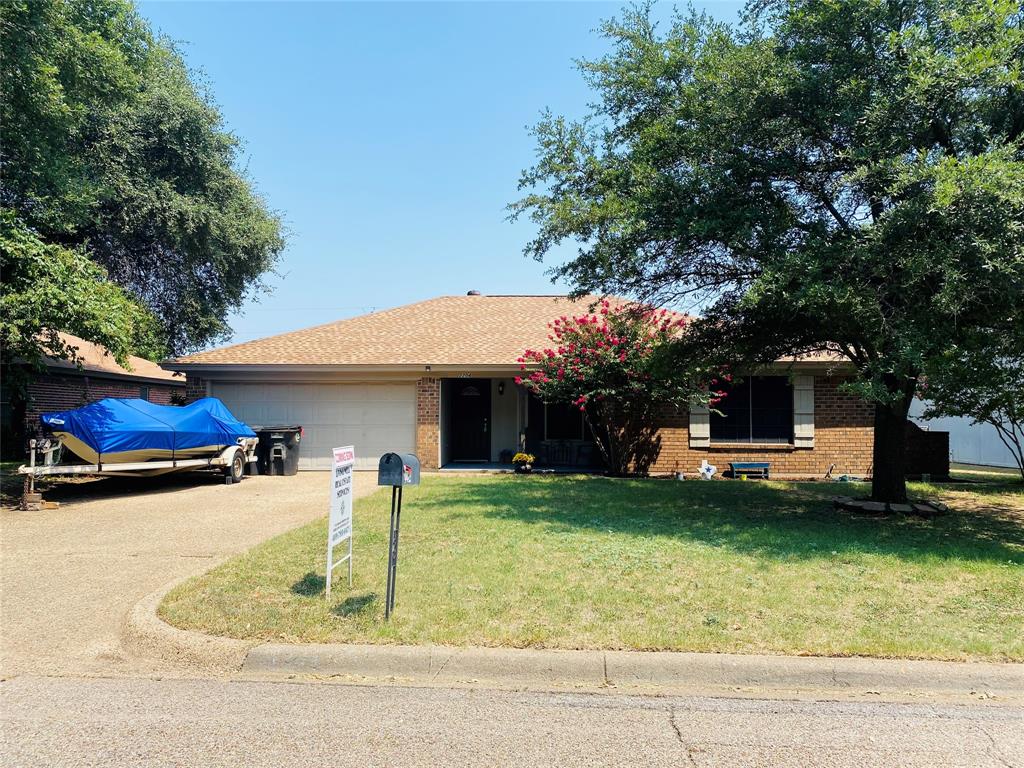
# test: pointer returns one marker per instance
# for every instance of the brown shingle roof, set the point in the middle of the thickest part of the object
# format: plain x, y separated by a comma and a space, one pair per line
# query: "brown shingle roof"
97, 359
448, 330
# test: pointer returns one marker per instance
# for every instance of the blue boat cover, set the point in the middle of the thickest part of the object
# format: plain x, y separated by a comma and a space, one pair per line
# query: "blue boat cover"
113, 425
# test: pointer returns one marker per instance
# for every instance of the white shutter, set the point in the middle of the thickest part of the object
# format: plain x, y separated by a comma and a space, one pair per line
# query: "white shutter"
803, 411
700, 426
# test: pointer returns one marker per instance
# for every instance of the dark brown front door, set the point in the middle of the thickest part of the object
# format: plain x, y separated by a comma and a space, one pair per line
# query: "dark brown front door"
470, 409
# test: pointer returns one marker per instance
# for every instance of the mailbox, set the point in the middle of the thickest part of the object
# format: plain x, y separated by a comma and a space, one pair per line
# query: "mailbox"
398, 469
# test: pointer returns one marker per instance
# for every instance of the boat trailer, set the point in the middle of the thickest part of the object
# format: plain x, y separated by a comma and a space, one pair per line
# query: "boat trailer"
232, 461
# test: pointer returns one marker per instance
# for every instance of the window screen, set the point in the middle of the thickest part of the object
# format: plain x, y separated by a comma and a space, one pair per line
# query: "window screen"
756, 410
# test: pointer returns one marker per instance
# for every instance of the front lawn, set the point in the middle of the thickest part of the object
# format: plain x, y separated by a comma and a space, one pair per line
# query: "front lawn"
563, 562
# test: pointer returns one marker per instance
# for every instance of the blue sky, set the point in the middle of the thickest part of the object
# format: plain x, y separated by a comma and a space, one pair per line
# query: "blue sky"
390, 137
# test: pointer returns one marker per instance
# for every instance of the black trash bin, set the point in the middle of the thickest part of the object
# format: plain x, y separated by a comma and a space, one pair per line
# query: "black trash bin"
277, 452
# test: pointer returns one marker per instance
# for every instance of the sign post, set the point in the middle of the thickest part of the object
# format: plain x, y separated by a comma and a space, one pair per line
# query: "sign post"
339, 521
396, 470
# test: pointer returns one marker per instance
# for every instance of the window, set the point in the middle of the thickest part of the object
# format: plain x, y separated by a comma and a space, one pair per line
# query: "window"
562, 421
144, 393
756, 410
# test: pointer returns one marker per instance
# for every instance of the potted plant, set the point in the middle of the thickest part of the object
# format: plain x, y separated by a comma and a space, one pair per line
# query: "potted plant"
523, 463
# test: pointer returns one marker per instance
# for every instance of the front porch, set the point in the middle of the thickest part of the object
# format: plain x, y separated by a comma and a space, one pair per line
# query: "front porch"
485, 421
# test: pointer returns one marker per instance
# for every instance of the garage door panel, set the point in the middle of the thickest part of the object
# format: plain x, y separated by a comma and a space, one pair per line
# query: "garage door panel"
388, 414
374, 418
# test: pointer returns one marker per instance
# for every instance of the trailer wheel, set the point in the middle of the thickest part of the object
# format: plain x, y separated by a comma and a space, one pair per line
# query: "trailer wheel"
236, 469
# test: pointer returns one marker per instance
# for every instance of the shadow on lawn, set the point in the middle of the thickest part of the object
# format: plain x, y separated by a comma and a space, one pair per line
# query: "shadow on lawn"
355, 605
313, 585
792, 521
310, 585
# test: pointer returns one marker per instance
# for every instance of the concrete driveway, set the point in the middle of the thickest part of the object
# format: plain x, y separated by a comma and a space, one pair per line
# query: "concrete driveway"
69, 576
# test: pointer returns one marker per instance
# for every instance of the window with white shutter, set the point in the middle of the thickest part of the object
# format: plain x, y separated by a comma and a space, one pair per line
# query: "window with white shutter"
700, 426
803, 411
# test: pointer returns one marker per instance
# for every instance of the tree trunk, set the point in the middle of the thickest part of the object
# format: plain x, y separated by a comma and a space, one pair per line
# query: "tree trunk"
889, 478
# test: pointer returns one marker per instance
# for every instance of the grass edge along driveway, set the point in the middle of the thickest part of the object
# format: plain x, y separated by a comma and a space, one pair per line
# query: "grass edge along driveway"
587, 562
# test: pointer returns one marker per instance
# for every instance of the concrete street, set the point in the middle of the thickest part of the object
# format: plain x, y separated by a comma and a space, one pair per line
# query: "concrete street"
80, 722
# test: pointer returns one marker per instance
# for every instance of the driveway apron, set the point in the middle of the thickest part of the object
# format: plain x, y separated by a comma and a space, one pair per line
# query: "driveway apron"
69, 576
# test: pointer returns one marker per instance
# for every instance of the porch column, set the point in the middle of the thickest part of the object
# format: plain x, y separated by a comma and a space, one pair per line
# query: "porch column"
428, 423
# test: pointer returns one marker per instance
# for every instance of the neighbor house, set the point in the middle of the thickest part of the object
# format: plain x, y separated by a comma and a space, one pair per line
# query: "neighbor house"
436, 378
62, 385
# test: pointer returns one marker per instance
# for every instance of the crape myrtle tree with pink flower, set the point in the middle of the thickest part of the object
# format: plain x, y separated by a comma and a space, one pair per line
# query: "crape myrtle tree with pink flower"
614, 365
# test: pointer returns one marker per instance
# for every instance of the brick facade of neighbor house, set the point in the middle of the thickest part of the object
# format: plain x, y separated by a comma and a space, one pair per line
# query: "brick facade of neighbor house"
67, 381
64, 392
843, 434
428, 422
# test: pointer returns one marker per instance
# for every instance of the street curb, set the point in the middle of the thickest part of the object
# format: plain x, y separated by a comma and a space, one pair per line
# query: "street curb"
643, 670
148, 636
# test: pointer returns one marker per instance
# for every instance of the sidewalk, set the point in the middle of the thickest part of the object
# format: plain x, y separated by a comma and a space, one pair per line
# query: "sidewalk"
647, 672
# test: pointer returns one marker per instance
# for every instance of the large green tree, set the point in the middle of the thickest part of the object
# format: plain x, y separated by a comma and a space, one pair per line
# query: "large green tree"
112, 148
43, 281
833, 174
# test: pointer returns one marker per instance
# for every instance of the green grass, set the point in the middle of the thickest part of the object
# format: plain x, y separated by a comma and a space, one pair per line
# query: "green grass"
562, 562
979, 472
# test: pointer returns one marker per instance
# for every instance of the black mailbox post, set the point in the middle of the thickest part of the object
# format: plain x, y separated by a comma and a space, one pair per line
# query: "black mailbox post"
397, 470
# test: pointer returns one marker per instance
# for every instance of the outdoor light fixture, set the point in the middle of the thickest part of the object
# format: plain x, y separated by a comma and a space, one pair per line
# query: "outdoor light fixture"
501, 387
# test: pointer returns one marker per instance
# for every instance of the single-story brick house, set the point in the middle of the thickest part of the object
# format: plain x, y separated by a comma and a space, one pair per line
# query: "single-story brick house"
437, 378
63, 385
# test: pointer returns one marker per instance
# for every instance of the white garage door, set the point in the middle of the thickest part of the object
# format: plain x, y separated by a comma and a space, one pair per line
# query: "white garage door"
375, 418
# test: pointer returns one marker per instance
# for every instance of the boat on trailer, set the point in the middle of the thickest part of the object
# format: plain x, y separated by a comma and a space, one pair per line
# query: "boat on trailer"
116, 436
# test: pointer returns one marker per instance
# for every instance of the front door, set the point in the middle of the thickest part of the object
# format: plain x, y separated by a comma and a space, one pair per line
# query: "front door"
470, 409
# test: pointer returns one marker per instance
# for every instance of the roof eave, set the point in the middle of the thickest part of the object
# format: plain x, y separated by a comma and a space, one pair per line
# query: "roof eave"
422, 369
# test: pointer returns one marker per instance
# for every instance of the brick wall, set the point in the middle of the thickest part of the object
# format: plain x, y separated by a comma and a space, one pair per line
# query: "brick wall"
843, 433
195, 388
428, 421
61, 392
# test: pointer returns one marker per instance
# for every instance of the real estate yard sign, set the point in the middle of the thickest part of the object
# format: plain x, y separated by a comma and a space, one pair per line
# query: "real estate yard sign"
339, 521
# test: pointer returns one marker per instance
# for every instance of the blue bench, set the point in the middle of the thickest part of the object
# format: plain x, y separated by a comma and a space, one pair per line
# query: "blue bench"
751, 469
